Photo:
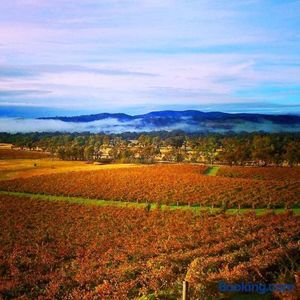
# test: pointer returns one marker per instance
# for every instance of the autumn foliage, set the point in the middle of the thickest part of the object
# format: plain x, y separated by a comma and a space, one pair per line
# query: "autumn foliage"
169, 184
58, 250
22, 154
264, 173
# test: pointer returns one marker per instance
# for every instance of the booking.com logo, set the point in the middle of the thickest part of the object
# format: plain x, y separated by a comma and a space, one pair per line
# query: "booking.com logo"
259, 288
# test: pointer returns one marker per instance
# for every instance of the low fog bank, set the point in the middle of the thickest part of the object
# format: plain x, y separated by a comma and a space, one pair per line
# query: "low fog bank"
112, 125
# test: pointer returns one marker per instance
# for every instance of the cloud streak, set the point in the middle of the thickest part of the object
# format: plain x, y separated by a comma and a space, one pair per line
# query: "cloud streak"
36, 70
16, 93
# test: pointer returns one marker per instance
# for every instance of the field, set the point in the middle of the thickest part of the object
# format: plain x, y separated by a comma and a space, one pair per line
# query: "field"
83, 231
7, 153
262, 173
62, 250
23, 168
166, 184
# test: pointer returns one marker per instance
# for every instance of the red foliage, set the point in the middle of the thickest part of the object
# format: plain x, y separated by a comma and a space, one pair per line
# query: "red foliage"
168, 184
56, 250
264, 173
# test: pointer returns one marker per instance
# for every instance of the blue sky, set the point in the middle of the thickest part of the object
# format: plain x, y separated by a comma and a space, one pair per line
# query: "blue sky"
66, 57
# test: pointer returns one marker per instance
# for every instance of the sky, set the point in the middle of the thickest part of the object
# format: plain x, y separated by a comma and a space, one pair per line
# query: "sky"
70, 57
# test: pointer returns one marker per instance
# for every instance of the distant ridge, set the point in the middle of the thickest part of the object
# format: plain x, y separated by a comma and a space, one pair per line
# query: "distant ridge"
173, 115
91, 118
187, 121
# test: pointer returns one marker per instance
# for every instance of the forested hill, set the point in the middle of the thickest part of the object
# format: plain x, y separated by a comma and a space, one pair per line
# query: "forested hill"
189, 121
168, 116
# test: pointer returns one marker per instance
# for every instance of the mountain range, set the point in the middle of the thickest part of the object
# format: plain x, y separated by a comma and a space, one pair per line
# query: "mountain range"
188, 120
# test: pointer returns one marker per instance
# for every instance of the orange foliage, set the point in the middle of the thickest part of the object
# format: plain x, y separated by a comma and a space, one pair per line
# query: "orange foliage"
22, 154
55, 250
265, 173
169, 184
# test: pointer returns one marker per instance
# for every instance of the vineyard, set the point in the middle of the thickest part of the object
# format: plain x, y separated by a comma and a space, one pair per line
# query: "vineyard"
263, 173
24, 168
69, 251
22, 154
168, 184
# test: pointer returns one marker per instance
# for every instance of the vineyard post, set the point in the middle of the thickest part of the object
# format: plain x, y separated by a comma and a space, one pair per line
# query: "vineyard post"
185, 290
297, 280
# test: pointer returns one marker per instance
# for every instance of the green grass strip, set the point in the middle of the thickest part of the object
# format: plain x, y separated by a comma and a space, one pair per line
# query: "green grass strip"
97, 202
212, 171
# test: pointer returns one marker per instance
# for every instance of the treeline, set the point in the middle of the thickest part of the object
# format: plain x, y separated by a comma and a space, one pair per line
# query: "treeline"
177, 146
